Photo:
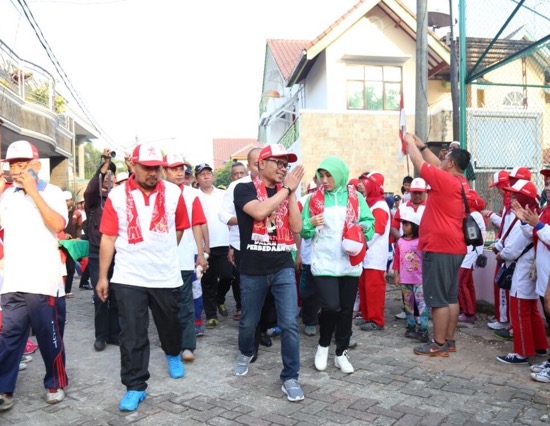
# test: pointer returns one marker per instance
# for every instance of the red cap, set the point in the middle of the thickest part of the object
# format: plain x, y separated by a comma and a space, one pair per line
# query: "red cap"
21, 150
500, 178
377, 178
354, 244
277, 150
525, 187
147, 155
545, 172
520, 173
353, 182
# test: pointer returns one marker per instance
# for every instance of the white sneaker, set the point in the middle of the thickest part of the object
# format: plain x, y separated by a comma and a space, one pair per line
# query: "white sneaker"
497, 325
321, 358
22, 366
537, 368
342, 362
55, 397
543, 376
401, 315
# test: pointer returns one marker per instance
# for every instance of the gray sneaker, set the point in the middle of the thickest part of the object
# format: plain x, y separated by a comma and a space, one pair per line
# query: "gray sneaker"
241, 365
292, 389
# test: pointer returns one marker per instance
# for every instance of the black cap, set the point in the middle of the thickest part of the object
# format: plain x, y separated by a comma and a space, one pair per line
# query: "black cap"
188, 170
200, 167
397, 197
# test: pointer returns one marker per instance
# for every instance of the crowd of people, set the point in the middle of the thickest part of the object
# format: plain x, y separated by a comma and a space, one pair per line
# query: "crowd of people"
161, 237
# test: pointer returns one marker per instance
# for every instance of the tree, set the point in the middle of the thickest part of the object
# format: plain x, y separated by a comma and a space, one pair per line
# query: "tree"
223, 176
92, 160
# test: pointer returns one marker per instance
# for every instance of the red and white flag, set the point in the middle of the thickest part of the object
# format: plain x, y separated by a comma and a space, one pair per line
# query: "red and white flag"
402, 130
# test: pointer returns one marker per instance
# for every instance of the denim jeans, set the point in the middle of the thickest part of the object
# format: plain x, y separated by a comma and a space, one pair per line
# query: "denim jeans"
283, 288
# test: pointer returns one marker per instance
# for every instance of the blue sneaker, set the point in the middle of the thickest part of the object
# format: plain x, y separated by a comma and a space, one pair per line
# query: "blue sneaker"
274, 332
131, 400
175, 366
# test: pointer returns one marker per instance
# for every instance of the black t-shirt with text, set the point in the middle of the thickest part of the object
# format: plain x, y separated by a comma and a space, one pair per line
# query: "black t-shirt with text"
258, 258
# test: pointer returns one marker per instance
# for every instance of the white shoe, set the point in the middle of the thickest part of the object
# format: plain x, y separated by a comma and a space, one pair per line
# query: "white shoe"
401, 315
321, 358
22, 366
496, 325
55, 397
342, 362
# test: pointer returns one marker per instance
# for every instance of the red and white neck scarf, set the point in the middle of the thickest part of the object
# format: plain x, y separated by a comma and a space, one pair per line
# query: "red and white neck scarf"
159, 221
317, 205
260, 231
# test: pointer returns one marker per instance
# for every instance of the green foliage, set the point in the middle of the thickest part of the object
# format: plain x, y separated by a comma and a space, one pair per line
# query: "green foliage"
222, 176
92, 160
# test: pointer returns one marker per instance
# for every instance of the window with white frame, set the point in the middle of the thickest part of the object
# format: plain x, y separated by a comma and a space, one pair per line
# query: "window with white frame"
373, 87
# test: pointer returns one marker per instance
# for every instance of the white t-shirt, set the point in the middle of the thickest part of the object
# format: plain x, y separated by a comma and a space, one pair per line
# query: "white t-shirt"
218, 233
227, 211
187, 248
31, 254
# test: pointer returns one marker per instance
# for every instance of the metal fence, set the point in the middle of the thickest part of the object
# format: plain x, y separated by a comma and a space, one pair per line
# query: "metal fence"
507, 84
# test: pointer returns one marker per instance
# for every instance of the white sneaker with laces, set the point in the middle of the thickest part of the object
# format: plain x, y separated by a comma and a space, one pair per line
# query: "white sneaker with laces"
342, 362
542, 376
321, 358
496, 325
537, 368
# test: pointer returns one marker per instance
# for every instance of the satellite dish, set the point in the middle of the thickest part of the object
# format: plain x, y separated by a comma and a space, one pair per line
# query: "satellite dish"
438, 20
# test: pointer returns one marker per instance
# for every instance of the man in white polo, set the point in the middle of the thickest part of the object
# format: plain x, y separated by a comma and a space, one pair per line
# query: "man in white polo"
143, 220
32, 213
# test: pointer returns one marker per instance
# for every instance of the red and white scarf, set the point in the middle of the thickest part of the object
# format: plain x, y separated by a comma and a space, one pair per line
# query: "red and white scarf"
159, 221
260, 232
317, 205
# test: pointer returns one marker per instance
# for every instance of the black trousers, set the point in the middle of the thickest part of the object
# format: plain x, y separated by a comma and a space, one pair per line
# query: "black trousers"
133, 310
309, 296
337, 296
220, 269
106, 324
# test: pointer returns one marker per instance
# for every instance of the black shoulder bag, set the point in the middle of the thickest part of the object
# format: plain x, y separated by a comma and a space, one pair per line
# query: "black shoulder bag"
472, 233
503, 278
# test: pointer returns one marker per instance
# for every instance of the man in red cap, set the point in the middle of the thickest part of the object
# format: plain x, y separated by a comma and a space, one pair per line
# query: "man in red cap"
32, 213
268, 215
144, 220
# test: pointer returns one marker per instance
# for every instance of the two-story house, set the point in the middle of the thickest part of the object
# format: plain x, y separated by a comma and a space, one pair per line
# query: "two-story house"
339, 94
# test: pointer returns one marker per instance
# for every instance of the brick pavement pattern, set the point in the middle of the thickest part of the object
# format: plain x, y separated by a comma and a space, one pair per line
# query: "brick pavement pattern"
391, 385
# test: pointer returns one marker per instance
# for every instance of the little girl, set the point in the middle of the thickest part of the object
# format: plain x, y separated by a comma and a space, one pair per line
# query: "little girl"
407, 267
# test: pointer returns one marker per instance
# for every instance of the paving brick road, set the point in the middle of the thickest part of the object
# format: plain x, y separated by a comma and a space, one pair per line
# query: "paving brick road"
391, 385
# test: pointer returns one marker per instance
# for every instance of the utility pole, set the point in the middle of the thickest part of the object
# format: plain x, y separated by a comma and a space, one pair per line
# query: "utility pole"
454, 81
421, 104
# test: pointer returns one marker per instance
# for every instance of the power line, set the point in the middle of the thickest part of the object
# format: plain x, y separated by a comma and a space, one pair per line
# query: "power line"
61, 72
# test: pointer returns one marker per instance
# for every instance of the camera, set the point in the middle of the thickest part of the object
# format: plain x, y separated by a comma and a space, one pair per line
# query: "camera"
112, 154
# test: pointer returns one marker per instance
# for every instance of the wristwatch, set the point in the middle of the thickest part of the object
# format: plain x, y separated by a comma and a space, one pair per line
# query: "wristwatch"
288, 188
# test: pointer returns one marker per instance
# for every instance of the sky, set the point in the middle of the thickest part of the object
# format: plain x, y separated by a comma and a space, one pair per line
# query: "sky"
176, 73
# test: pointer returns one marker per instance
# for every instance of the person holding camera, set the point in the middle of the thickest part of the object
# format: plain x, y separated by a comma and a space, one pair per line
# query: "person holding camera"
106, 325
